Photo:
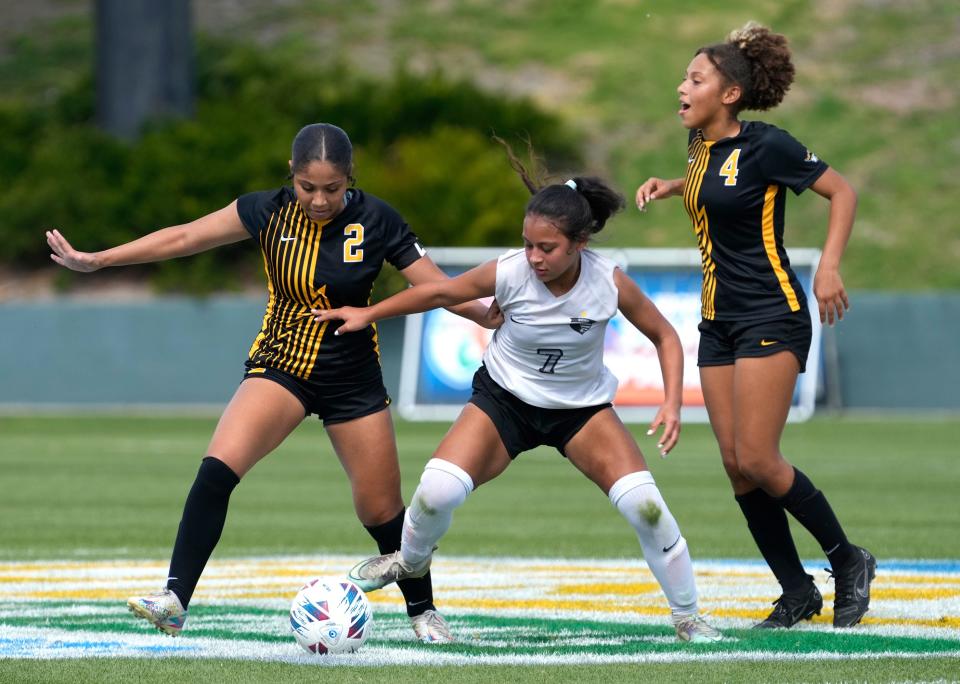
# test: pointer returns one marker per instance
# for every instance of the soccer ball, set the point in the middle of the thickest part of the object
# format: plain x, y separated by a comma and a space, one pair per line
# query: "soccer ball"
330, 616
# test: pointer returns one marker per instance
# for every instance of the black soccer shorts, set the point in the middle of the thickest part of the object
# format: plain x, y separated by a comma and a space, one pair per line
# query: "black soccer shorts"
523, 426
723, 342
331, 402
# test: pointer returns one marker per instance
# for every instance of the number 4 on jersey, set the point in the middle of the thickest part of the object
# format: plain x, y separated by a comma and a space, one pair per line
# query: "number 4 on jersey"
729, 169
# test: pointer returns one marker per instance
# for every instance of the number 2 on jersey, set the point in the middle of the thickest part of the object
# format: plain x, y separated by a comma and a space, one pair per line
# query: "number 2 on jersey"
352, 251
729, 169
553, 355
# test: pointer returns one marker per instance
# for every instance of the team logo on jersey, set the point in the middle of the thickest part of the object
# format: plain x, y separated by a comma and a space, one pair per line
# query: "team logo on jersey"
811, 157
581, 325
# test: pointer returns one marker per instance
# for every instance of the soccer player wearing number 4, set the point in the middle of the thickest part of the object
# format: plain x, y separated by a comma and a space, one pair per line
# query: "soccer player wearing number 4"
756, 330
543, 382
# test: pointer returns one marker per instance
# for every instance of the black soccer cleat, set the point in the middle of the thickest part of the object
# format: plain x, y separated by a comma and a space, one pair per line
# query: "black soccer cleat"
792, 608
852, 588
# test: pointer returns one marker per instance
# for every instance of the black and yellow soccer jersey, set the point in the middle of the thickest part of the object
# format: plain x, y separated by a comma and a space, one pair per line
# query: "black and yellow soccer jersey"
321, 265
735, 194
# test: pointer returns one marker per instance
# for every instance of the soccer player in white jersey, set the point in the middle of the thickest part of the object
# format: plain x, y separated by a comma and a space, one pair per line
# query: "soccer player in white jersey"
543, 381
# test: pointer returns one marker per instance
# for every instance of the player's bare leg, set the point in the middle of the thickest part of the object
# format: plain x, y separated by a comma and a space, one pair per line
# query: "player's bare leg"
258, 418
367, 449
800, 599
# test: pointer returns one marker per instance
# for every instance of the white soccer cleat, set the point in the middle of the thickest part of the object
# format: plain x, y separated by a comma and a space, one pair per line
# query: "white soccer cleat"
431, 628
163, 610
379, 571
694, 630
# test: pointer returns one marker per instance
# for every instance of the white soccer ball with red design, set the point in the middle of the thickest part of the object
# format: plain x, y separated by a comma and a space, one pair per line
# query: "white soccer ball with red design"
330, 616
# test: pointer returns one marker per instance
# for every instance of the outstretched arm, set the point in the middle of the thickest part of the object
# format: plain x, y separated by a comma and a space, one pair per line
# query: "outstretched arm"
219, 228
658, 188
827, 283
646, 317
424, 270
475, 283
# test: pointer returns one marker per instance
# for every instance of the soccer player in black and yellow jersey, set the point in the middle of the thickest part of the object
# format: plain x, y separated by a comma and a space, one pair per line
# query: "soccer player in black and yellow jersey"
756, 329
323, 244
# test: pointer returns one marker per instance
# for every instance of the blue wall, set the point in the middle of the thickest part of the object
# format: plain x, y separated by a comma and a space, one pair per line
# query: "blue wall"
893, 351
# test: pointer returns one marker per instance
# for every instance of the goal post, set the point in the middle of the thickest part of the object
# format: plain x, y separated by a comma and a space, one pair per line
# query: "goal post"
441, 351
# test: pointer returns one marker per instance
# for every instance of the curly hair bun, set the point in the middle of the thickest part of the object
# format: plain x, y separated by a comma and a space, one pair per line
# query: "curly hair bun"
771, 69
746, 33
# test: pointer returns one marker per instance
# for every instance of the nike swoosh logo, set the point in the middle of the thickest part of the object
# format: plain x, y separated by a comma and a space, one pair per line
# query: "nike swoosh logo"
284, 238
667, 548
516, 321
863, 587
767, 343
417, 603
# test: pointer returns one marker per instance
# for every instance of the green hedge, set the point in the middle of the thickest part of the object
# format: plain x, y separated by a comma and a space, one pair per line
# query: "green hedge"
422, 143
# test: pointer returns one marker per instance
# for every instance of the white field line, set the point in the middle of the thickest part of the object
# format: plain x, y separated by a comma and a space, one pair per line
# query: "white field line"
55, 644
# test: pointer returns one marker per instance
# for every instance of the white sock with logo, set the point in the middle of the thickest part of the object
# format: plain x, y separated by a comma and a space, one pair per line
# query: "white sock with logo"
443, 487
637, 498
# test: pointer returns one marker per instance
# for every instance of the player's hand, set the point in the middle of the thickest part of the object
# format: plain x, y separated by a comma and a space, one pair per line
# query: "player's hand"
653, 188
831, 295
67, 256
353, 318
493, 318
669, 419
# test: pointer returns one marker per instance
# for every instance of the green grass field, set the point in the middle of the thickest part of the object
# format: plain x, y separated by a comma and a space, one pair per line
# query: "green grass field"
83, 488
119, 485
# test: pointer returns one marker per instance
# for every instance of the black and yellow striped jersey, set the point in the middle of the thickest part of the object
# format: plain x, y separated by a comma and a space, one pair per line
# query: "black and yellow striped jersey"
321, 265
735, 194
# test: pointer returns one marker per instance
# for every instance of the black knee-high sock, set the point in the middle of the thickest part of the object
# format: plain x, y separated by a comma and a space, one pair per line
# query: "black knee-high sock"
418, 592
809, 506
771, 531
203, 516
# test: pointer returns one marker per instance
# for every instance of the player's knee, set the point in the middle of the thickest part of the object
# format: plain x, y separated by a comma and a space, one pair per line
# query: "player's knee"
217, 475
728, 456
443, 487
375, 512
638, 499
757, 468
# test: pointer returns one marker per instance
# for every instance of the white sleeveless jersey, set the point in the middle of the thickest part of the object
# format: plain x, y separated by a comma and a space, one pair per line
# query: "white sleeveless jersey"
549, 350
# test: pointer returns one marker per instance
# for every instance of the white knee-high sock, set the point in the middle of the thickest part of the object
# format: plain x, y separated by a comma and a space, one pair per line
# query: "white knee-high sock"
637, 498
443, 487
